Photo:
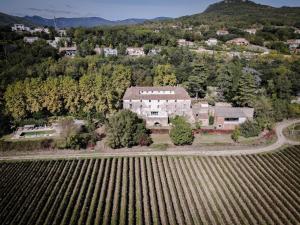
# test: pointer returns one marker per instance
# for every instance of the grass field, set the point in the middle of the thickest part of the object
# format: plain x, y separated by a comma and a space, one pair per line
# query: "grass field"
256, 189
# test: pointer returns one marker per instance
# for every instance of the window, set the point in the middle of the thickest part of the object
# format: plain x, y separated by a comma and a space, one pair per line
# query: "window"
154, 113
149, 100
157, 106
231, 119
141, 100
130, 106
175, 100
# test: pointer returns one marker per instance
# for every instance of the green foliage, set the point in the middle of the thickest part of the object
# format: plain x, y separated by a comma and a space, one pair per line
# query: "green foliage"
246, 91
294, 110
250, 129
181, 132
28, 145
125, 129
235, 134
164, 76
211, 120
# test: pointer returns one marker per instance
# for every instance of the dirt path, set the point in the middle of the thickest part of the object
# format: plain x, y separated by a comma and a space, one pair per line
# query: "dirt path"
189, 151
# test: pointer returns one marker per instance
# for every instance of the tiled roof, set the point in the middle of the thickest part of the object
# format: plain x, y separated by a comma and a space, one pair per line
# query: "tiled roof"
134, 93
234, 112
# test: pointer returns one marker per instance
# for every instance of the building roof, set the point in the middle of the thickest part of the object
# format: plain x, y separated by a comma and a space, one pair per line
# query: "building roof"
135, 93
234, 112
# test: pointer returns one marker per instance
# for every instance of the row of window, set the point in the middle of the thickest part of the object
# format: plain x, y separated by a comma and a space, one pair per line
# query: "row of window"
150, 100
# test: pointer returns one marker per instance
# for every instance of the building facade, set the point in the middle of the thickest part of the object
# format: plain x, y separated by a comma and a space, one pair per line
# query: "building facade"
157, 104
135, 51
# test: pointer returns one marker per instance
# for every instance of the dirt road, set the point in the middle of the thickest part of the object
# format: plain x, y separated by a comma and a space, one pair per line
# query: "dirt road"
188, 151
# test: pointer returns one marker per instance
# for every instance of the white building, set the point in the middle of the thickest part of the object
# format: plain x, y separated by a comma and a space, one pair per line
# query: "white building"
135, 51
222, 32
293, 43
250, 31
211, 42
54, 43
62, 32
30, 40
238, 41
20, 27
40, 30
185, 43
157, 104
68, 51
154, 51
110, 52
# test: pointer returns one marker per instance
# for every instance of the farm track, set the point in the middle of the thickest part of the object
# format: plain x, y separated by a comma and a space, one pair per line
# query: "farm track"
250, 189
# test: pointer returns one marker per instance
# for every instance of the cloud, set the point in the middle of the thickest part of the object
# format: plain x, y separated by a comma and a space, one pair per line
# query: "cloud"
54, 11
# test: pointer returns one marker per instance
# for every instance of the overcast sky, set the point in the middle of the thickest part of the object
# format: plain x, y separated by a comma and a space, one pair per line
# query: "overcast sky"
115, 9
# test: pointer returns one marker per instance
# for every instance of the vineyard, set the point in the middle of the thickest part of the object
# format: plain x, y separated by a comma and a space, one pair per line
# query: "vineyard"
254, 189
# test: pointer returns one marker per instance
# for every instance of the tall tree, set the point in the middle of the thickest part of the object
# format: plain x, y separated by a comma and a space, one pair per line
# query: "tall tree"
164, 75
245, 95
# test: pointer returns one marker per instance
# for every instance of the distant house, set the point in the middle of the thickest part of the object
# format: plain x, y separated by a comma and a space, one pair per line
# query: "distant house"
222, 32
20, 27
293, 43
201, 112
157, 104
110, 52
211, 42
297, 31
227, 118
30, 40
62, 32
154, 51
185, 43
68, 51
54, 43
40, 30
238, 41
135, 51
250, 31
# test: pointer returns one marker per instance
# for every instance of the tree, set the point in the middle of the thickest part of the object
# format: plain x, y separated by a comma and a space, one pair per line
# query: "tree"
164, 76
181, 132
250, 129
87, 92
125, 129
246, 90
71, 94
53, 99
195, 86
15, 99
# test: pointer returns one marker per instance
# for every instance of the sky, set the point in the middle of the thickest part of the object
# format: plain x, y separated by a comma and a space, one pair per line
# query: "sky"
116, 9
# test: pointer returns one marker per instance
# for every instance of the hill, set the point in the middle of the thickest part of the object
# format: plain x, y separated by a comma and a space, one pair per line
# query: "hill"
9, 20
243, 13
85, 21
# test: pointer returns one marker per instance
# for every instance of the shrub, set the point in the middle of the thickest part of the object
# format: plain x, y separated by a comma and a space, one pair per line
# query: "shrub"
181, 132
235, 135
211, 120
28, 145
250, 129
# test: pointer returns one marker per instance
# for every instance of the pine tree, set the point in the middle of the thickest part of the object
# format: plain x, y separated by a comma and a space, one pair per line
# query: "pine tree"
246, 90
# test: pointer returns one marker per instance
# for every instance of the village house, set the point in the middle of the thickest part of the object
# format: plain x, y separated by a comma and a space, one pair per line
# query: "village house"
62, 32
68, 51
238, 41
185, 43
135, 51
154, 51
20, 27
54, 43
251, 31
30, 40
203, 51
222, 32
227, 118
40, 30
211, 42
201, 112
157, 104
110, 52
293, 43
297, 31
